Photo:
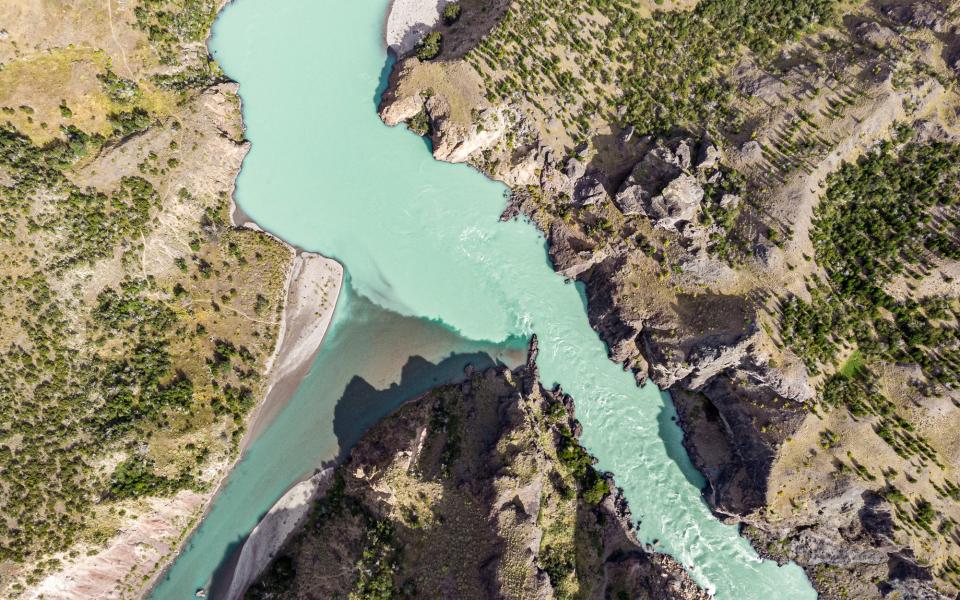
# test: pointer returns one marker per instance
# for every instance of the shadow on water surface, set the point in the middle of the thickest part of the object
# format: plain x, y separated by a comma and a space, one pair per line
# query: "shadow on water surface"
384, 80
672, 437
360, 407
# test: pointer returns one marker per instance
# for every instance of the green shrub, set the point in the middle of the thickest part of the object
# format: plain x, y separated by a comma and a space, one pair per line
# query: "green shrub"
451, 13
419, 124
558, 562
129, 122
118, 89
135, 477
429, 47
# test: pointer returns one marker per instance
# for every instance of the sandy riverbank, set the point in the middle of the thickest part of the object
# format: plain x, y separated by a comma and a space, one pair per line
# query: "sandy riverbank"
408, 21
313, 288
129, 564
273, 531
312, 293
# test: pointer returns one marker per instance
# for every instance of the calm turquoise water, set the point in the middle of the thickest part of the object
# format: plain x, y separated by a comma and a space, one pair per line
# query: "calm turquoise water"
421, 239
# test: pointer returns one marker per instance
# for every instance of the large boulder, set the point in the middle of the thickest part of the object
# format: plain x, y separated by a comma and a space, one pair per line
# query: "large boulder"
877, 35
589, 190
655, 170
661, 187
677, 204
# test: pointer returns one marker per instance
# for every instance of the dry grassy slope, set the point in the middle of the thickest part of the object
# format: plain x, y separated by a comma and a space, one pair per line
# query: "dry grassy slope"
206, 301
702, 316
472, 491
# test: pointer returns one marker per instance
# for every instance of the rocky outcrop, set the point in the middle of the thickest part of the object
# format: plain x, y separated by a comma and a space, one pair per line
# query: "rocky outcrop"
659, 189
665, 187
475, 490
684, 245
921, 15
848, 547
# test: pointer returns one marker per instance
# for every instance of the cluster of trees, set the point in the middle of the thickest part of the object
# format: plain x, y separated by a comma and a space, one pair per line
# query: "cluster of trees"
889, 212
606, 59
93, 223
128, 122
48, 390
233, 401
857, 393
118, 89
83, 378
170, 23
135, 477
591, 485
799, 143
815, 329
141, 384
378, 561
893, 213
419, 123
430, 46
559, 561
169, 26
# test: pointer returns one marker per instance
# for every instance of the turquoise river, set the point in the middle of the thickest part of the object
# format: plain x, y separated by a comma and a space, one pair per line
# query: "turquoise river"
435, 281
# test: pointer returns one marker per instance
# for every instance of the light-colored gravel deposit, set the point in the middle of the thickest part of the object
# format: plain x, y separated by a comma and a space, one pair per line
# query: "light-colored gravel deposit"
410, 20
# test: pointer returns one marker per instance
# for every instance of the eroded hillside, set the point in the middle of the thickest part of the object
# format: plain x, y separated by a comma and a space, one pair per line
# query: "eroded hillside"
761, 201
136, 323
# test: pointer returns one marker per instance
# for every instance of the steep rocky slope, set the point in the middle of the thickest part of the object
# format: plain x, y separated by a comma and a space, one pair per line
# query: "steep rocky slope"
137, 323
476, 490
713, 172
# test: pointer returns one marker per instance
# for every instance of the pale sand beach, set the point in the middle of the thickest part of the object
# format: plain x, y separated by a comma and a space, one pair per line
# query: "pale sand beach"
312, 293
273, 531
408, 21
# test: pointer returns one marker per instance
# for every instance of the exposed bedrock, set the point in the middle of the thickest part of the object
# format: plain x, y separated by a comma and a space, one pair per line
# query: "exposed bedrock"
725, 363
638, 221
471, 495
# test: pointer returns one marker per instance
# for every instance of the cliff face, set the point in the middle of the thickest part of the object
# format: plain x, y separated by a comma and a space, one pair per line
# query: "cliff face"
691, 183
475, 490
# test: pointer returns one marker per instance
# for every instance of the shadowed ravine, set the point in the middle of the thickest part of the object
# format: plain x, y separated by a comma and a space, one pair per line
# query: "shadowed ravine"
422, 239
